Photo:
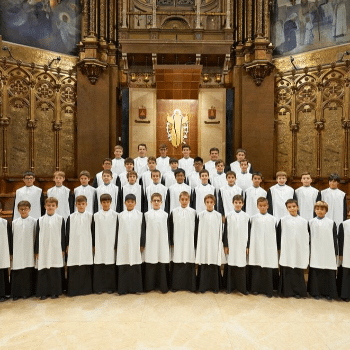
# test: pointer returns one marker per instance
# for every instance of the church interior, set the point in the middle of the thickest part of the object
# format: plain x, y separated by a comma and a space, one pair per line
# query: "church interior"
78, 77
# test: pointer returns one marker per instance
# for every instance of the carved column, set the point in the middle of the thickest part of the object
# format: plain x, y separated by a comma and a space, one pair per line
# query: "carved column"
249, 20
198, 14
294, 128
31, 125
92, 30
319, 126
111, 21
228, 15
154, 14
57, 127
259, 19
124, 24
4, 123
346, 126
85, 19
103, 19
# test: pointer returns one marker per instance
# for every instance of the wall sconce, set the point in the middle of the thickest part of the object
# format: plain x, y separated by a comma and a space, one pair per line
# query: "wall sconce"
146, 78
218, 78
133, 77
206, 78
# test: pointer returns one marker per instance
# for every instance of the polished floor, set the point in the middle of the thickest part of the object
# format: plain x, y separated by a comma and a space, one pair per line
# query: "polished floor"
174, 321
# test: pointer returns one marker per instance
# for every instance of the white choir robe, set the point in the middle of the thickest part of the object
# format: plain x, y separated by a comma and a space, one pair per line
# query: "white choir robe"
218, 180
112, 190
226, 195
307, 196
336, 200
118, 165
136, 190
210, 166
277, 196
236, 167
5, 245
32, 194
168, 179
65, 200
187, 165
163, 165
244, 180
193, 179
251, 196
146, 179
140, 165
173, 196
155, 188
198, 195
344, 251
99, 182
90, 193
123, 180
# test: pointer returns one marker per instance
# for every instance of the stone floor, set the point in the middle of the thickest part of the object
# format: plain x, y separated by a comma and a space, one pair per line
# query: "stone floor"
174, 321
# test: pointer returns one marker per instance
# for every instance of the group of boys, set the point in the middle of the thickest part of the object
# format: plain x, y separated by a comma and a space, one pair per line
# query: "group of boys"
145, 224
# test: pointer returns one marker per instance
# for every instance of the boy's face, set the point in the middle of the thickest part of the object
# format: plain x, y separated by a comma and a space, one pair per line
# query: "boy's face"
256, 180
118, 153
306, 180
106, 178
244, 166
152, 165
204, 178
292, 209
321, 212
130, 204
281, 180
237, 205
50, 208
262, 207
209, 204
107, 165
180, 178
106, 205
231, 179
174, 165
155, 177
29, 180
24, 211
214, 155
240, 156
198, 166
156, 203
186, 152
129, 167
220, 167
163, 152
84, 180
184, 201
81, 206
58, 180
142, 151
132, 179
333, 184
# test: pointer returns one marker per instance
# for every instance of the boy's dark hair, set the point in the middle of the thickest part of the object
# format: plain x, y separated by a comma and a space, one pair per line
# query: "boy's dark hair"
51, 200
240, 150
219, 161
132, 172
321, 204
243, 161
155, 194
291, 200
261, 200
198, 159
107, 160
203, 171
84, 173
173, 160
210, 196
152, 158
155, 171
130, 197
118, 147
178, 171
139, 145
129, 161
281, 173
238, 197
305, 173
334, 177
257, 173
230, 172
107, 171
105, 197
213, 149
185, 145
184, 193
24, 204
80, 199
28, 173
163, 145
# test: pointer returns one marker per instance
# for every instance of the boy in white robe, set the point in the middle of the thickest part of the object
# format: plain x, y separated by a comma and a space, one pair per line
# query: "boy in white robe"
5, 250
133, 187
140, 162
106, 165
244, 178
235, 240
23, 273
118, 162
240, 155
163, 161
193, 179
210, 164
145, 179
183, 226
130, 243
252, 194
226, 193
186, 162
201, 191
86, 190
343, 276
155, 187
218, 177
34, 195
168, 178
172, 200
293, 244
79, 249
336, 200
278, 194
123, 177
307, 196
323, 254
156, 252
104, 232
49, 248
263, 255
210, 250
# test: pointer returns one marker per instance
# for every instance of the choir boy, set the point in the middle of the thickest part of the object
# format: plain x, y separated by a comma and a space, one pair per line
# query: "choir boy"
336, 200
163, 161
263, 255
133, 187
172, 200
130, 243
86, 190
49, 248
235, 239
106, 165
79, 249
252, 194
129, 166
156, 252
209, 254
5, 249
244, 178
186, 162
218, 177
22, 272
323, 254
240, 155
104, 231
140, 163
293, 244
109, 188
62, 194
145, 179
210, 164
118, 162
307, 196
278, 194
34, 195
155, 187
343, 276
193, 179
168, 178
183, 226
199, 193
